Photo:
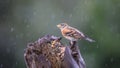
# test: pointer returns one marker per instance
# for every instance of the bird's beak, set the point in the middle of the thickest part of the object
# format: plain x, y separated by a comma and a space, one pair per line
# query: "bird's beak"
58, 26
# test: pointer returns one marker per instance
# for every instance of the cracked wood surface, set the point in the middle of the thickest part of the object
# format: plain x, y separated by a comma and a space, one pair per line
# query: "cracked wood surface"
49, 52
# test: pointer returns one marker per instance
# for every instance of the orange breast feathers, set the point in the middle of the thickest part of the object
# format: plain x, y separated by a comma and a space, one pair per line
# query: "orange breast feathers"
71, 33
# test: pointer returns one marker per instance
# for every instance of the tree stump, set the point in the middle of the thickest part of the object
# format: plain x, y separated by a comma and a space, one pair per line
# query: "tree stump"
49, 52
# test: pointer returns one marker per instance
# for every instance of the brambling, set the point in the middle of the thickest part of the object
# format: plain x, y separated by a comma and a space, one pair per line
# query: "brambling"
71, 33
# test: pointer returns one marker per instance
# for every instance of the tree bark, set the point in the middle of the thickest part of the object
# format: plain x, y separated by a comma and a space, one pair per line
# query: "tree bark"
49, 52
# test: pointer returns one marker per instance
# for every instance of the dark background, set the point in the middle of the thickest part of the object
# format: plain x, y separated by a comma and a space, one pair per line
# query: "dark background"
24, 21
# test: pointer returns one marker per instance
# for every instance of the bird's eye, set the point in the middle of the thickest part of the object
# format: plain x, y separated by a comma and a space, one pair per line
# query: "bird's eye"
62, 24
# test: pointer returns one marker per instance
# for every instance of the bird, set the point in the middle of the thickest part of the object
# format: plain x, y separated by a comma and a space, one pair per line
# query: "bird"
72, 34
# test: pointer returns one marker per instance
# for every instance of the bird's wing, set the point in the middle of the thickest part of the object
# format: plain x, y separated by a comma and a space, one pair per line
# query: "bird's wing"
72, 32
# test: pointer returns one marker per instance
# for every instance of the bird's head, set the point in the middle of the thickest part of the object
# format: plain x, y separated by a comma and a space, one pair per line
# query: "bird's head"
62, 25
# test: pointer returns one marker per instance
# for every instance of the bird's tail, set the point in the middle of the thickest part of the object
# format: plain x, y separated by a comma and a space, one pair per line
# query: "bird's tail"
90, 40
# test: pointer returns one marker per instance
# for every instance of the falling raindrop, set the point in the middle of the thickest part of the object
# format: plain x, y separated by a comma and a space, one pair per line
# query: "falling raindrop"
1, 65
8, 50
97, 46
106, 65
84, 48
28, 26
111, 59
12, 29
16, 63
70, 16
34, 13
16, 36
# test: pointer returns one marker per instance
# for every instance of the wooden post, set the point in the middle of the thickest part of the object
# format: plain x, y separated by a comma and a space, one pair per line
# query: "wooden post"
49, 52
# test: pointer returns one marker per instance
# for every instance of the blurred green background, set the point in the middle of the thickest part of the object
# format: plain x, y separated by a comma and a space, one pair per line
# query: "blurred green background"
24, 21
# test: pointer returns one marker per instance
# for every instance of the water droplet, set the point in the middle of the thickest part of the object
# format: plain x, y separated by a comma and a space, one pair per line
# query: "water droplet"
111, 59
1, 65
34, 13
106, 65
12, 29
70, 15
8, 50
97, 46
16, 63
16, 36
28, 26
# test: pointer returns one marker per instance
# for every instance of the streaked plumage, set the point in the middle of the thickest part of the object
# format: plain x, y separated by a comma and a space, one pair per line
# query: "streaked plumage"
71, 33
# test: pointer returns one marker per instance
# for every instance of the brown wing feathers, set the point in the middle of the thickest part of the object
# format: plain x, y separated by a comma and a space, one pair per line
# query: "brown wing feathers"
71, 33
